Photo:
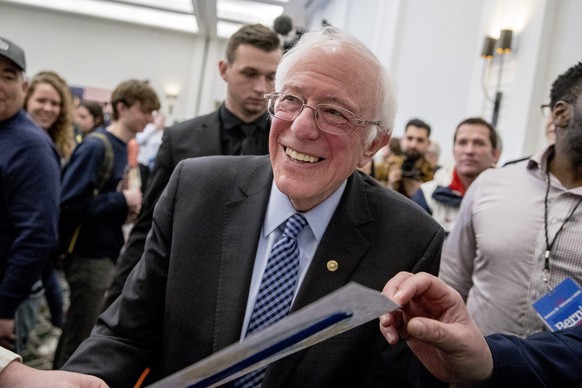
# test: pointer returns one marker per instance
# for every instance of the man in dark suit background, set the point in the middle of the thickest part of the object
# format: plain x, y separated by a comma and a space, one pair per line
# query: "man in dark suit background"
239, 127
201, 276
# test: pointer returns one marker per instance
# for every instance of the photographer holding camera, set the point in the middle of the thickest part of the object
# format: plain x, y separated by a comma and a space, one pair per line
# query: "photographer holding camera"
405, 172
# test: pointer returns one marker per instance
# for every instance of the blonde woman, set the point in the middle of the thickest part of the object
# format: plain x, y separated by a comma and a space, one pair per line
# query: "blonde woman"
49, 104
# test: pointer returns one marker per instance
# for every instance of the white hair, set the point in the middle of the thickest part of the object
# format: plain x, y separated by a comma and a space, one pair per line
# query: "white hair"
384, 96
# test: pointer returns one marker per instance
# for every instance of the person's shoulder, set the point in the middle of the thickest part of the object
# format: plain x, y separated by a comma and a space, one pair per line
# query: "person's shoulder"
429, 187
96, 140
196, 123
26, 131
390, 203
226, 164
499, 174
224, 171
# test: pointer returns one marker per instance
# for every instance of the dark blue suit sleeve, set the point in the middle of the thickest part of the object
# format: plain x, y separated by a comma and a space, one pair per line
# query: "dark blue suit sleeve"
542, 360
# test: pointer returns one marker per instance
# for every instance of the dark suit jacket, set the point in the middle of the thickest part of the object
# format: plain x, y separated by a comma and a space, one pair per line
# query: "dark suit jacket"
187, 296
189, 139
543, 360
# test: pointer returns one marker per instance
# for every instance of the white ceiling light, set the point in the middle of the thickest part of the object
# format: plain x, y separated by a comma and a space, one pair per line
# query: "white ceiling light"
127, 13
247, 12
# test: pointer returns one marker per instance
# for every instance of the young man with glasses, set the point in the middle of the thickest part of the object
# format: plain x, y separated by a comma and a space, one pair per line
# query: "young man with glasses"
218, 230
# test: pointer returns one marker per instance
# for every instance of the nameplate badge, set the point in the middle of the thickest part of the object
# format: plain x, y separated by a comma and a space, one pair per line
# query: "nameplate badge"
561, 308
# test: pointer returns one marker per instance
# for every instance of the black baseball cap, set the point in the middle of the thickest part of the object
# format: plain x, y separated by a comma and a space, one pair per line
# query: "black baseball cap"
13, 52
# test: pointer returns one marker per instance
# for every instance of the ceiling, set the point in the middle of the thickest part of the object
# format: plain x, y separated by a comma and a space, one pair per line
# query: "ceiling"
201, 17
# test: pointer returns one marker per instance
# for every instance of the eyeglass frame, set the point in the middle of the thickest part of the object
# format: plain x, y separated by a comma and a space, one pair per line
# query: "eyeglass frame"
545, 107
354, 121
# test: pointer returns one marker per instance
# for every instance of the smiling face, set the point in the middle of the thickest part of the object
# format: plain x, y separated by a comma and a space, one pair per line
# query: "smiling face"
44, 105
309, 164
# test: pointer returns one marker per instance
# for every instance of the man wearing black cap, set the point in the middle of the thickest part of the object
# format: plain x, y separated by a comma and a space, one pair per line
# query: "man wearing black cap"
29, 193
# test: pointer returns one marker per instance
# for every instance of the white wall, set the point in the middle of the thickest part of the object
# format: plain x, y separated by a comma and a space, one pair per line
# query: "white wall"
428, 48
99, 53
433, 50
431, 47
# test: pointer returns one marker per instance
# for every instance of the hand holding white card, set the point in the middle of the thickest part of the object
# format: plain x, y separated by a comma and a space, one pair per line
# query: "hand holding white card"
342, 310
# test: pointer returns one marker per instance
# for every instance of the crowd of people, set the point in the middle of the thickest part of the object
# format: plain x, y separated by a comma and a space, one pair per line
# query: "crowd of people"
291, 189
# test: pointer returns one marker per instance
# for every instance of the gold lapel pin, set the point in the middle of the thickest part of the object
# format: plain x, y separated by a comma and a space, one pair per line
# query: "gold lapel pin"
332, 265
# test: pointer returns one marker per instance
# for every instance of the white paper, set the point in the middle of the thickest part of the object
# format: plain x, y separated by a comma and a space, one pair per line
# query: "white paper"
362, 304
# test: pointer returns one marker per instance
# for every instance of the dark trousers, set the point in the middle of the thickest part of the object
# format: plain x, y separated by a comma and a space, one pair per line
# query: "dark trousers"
89, 279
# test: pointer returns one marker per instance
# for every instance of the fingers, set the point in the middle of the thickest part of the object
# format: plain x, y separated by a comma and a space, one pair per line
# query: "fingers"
444, 336
394, 284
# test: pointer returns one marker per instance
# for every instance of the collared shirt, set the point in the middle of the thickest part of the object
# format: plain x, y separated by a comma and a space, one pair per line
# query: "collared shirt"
232, 135
495, 254
279, 210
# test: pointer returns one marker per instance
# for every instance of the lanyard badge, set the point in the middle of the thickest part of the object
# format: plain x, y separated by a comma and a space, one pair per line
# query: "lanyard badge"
561, 308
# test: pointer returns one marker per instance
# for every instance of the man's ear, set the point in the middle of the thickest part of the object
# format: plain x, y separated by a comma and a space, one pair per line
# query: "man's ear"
379, 142
222, 67
562, 114
119, 107
496, 155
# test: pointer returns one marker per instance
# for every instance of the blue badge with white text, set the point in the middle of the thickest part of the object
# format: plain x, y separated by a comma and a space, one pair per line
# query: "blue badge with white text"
561, 308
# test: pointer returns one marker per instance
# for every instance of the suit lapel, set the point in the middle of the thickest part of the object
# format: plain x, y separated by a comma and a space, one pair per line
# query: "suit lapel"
239, 246
211, 134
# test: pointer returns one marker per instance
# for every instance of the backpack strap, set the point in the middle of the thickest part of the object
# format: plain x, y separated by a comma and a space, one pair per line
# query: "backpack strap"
103, 177
107, 166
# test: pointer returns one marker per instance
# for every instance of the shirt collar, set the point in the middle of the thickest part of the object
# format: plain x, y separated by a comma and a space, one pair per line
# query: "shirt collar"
230, 120
540, 160
280, 208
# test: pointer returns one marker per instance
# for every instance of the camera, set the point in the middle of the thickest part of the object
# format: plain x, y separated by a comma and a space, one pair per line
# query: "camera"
408, 167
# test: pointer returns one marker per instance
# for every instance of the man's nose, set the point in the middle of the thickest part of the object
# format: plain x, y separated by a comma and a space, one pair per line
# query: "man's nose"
263, 84
305, 124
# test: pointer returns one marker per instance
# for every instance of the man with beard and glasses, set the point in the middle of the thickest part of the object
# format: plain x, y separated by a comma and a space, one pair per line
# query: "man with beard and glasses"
518, 232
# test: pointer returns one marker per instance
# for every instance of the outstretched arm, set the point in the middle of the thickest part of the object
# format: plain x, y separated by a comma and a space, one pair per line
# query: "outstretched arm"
15, 374
437, 327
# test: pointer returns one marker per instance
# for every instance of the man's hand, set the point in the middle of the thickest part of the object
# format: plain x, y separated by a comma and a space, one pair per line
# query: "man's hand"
133, 198
437, 327
18, 375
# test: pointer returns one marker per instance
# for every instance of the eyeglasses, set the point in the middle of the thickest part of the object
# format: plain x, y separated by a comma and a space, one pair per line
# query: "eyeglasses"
546, 110
329, 118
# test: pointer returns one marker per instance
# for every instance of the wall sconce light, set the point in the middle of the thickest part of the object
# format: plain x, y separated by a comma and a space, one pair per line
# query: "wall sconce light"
500, 47
171, 99
488, 48
504, 43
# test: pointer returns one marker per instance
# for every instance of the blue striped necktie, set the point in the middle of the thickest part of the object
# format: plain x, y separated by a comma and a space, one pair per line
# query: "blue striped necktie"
277, 288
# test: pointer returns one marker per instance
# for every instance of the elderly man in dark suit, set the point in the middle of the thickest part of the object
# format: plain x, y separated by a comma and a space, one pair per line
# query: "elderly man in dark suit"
217, 237
238, 127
